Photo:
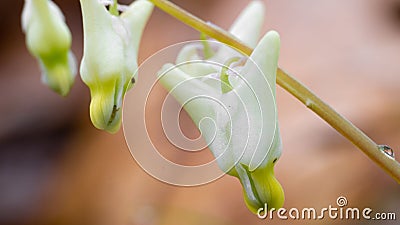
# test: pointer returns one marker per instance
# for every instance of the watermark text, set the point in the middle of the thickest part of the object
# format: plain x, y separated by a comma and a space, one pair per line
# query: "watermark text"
340, 212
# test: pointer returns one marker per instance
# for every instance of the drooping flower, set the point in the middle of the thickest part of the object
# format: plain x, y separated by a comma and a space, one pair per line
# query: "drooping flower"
238, 94
49, 40
109, 61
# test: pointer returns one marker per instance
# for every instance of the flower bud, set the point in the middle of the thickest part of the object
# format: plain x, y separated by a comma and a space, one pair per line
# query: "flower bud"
49, 40
110, 57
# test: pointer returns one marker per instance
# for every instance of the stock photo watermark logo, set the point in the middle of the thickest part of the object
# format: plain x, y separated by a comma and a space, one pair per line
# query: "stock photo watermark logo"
339, 211
235, 123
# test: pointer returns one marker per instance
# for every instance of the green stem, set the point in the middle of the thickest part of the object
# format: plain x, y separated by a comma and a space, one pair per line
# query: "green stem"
208, 51
225, 84
114, 8
297, 89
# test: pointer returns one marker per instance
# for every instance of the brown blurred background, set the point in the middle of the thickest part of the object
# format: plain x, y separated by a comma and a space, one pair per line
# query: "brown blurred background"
55, 168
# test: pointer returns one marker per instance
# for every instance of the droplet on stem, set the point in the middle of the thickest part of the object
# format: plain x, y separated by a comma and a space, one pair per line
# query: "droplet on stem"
387, 150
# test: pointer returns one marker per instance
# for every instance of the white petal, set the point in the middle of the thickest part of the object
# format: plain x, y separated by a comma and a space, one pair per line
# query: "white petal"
189, 91
103, 57
258, 88
247, 28
135, 19
192, 64
248, 25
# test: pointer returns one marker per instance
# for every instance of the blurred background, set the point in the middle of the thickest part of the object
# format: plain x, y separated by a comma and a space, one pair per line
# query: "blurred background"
56, 168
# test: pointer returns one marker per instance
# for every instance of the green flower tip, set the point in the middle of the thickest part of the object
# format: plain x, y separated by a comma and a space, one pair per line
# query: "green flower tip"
109, 62
48, 39
104, 111
260, 187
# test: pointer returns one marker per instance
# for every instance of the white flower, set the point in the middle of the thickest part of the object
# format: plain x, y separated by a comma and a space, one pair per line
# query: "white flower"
244, 135
49, 40
110, 57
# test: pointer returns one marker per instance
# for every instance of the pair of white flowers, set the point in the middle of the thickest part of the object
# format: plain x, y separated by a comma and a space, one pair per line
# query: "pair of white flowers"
245, 137
111, 44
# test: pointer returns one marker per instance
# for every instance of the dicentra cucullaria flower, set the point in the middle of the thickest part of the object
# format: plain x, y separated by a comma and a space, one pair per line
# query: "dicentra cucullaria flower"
109, 60
239, 96
49, 40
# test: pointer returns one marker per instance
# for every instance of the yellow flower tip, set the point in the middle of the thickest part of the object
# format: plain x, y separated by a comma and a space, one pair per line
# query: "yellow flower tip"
261, 188
59, 74
105, 108
109, 120
58, 79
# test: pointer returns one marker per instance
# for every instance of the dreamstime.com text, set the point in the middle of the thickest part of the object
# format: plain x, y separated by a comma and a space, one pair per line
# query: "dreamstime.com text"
335, 213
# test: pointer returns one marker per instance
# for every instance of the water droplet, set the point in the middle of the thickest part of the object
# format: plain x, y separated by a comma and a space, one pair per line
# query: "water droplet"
387, 150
